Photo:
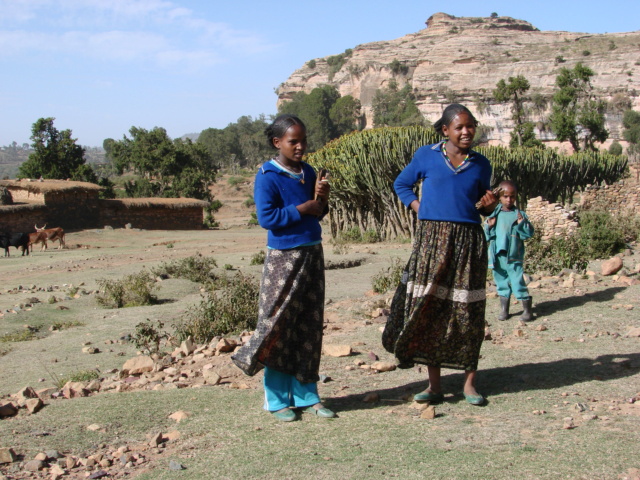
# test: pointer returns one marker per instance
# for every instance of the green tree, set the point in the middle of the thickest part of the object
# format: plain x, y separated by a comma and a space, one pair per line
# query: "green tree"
56, 155
395, 107
631, 132
169, 168
514, 92
577, 116
326, 114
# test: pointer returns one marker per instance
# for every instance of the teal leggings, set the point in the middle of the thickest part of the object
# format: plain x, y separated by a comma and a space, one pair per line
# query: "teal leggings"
282, 390
509, 278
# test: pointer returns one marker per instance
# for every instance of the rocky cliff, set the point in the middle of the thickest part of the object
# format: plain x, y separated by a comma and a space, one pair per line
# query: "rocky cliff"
462, 59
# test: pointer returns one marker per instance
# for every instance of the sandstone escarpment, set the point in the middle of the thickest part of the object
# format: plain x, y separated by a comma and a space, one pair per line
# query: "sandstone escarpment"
462, 59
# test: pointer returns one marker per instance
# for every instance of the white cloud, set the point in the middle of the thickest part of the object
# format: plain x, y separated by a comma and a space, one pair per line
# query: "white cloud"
160, 31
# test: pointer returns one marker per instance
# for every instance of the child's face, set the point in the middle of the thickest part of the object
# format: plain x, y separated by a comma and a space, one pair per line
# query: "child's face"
292, 144
460, 131
508, 197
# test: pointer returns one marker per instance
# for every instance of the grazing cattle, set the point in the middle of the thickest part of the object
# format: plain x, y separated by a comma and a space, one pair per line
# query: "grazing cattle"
18, 240
53, 234
38, 237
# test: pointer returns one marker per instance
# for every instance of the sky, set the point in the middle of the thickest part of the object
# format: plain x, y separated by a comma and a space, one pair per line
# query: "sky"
100, 67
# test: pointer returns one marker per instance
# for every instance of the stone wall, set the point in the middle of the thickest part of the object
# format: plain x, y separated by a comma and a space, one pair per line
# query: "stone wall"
551, 219
621, 197
22, 218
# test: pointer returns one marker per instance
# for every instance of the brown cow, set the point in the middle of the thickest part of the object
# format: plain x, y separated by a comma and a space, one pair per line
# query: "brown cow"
38, 237
53, 234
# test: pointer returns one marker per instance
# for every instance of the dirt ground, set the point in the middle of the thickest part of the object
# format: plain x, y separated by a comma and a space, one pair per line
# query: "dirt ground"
576, 352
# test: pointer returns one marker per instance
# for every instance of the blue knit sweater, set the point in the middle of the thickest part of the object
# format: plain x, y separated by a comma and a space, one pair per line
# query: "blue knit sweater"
277, 194
448, 194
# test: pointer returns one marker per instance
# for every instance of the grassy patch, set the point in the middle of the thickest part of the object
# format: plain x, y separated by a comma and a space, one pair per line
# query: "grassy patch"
21, 336
66, 325
196, 268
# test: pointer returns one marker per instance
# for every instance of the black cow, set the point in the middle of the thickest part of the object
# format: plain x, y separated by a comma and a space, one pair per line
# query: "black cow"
18, 240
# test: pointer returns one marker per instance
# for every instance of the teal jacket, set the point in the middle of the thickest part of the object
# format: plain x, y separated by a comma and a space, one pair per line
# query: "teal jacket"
519, 232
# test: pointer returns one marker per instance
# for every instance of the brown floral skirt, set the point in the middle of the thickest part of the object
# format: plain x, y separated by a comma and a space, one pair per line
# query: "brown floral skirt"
288, 337
437, 312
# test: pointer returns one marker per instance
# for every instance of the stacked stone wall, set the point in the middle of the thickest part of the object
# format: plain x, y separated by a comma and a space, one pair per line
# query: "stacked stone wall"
622, 197
551, 219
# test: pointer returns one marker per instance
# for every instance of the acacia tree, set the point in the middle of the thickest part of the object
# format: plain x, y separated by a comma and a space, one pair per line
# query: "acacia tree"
631, 133
326, 114
515, 92
56, 155
169, 168
577, 115
396, 107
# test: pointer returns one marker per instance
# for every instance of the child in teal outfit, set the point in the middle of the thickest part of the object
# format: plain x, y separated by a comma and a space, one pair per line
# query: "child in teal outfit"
506, 229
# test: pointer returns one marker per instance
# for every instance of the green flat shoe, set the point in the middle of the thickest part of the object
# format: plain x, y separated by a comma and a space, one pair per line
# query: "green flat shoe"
285, 415
323, 412
474, 399
430, 397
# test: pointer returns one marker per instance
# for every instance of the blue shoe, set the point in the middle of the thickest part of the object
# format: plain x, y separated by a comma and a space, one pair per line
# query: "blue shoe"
427, 396
474, 399
285, 415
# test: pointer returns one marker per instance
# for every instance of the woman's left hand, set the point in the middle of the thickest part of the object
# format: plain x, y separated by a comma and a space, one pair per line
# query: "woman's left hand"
489, 201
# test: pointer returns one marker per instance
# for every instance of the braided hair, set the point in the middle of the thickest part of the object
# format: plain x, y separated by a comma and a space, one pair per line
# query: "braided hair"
451, 112
280, 125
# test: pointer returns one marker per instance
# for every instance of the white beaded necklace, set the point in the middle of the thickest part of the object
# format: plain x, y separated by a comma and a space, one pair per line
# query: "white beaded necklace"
291, 173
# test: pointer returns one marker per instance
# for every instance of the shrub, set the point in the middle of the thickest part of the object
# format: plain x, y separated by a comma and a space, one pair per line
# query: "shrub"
196, 268
249, 202
311, 64
554, 255
388, 277
599, 234
371, 236
258, 258
235, 181
79, 376
132, 291
254, 219
231, 307
148, 336
615, 148
65, 325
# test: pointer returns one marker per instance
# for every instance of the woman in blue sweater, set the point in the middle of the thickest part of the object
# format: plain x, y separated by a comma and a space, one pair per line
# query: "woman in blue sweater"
437, 313
288, 338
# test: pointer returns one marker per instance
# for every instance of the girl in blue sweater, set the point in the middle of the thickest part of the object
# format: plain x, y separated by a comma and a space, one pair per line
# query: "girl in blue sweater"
288, 338
437, 313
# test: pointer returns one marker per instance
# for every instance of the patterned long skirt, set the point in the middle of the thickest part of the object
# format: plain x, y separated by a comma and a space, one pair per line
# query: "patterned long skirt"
437, 312
288, 337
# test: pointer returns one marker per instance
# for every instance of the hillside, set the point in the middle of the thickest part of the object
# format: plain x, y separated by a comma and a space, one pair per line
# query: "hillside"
462, 58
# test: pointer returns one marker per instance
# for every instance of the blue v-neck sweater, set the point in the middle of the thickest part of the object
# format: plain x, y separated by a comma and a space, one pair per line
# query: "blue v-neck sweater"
277, 194
448, 194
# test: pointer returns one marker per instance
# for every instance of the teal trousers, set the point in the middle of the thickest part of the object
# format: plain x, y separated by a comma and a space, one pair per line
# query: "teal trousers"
509, 278
282, 390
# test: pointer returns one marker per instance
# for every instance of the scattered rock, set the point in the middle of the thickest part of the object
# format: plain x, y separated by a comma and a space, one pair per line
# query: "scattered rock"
7, 455
34, 465
226, 345
429, 413
634, 332
337, 350
188, 346
611, 266
384, 366
211, 377
138, 365
173, 465
94, 427
8, 410
156, 439
568, 423
179, 415
34, 405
